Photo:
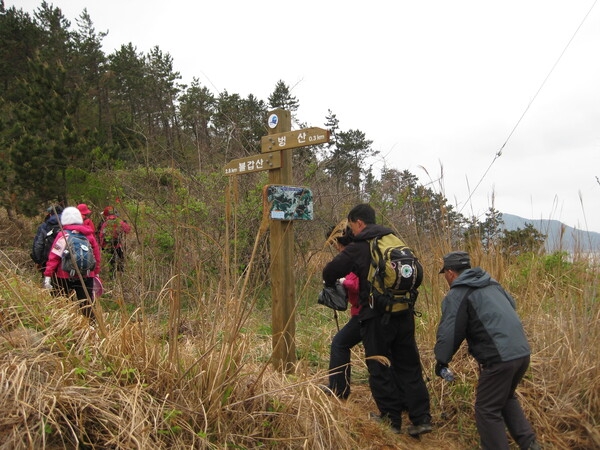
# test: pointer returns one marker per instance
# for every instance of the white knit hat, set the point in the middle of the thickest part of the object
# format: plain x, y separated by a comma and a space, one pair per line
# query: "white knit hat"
71, 216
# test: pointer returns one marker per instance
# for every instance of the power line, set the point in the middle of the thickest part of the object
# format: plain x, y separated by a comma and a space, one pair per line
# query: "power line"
499, 152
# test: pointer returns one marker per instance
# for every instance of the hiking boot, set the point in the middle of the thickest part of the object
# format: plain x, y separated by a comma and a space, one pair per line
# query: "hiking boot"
417, 430
534, 446
385, 421
326, 389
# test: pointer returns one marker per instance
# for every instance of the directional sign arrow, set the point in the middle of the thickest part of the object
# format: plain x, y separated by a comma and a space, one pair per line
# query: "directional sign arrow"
254, 163
294, 139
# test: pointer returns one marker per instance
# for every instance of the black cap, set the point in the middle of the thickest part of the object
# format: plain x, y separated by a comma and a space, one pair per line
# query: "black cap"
456, 261
56, 208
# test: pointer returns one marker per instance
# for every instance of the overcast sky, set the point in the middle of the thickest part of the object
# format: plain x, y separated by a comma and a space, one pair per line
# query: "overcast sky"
437, 85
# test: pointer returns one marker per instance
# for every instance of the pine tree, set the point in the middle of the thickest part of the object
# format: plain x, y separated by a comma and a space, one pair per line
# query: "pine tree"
196, 107
127, 72
20, 38
519, 241
282, 98
89, 65
161, 92
43, 138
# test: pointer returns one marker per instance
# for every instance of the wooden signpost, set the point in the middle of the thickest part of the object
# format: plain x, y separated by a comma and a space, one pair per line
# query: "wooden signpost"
253, 163
283, 291
276, 157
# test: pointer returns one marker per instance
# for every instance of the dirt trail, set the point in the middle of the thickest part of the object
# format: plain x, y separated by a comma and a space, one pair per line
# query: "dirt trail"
375, 436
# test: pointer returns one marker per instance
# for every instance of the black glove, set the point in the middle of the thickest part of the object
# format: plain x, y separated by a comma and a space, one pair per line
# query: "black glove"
438, 368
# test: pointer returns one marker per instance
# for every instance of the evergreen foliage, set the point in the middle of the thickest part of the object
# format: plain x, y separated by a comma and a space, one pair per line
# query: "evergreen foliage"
520, 241
283, 98
69, 110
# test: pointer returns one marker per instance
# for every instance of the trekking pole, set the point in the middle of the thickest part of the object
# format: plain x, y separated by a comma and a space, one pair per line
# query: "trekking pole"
429, 381
443, 414
335, 315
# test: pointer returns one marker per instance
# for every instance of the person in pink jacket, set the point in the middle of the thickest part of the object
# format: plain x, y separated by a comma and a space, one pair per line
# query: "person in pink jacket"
113, 231
348, 336
85, 214
72, 221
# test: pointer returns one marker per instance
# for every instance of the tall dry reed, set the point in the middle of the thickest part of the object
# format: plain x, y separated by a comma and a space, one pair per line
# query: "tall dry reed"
181, 358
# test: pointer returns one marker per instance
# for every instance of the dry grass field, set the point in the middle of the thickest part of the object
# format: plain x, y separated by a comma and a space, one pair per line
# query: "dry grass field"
186, 364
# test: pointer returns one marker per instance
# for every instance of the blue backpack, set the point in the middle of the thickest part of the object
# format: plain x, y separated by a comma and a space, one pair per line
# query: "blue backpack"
78, 255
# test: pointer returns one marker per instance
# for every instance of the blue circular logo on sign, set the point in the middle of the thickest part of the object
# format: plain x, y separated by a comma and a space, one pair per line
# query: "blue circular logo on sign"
273, 120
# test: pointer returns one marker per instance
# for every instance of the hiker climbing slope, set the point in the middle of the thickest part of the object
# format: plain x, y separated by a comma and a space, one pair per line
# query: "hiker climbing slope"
81, 279
113, 231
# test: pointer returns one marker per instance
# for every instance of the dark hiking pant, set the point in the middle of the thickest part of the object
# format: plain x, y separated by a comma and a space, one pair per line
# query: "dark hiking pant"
82, 291
339, 357
401, 386
116, 260
496, 406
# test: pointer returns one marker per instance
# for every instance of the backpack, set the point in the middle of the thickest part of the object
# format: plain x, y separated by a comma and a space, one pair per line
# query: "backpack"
40, 252
334, 298
78, 255
111, 233
394, 275
49, 240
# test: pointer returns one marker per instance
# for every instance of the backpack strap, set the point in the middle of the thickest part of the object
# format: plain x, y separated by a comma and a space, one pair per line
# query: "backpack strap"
69, 251
376, 256
378, 264
469, 291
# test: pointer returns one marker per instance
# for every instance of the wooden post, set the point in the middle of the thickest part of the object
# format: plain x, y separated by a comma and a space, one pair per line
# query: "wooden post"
283, 320
276, 157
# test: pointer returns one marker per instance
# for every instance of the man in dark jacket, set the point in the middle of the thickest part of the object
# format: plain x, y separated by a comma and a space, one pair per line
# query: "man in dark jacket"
44, 237
400, 386
479, 310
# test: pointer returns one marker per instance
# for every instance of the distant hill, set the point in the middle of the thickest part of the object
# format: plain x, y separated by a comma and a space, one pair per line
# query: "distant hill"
560, 236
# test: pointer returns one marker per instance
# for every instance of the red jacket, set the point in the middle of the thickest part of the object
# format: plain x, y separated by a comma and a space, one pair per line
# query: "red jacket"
351, 285
112, 230
53, 266
89, 223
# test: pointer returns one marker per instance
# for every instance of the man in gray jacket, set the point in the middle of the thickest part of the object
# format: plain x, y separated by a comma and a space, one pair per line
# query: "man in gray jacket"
479, 310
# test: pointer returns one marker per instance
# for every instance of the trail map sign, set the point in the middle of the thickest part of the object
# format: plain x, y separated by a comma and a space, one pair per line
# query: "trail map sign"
290, 202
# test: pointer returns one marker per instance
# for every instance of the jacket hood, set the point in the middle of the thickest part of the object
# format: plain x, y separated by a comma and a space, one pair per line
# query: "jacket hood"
83, 229
475, 277
52, 220
71, 216
372, 231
